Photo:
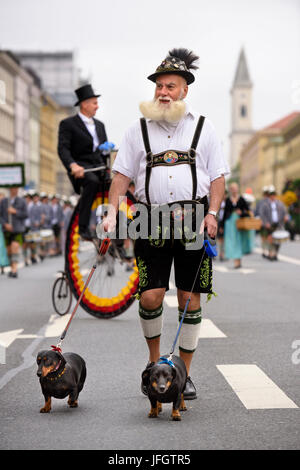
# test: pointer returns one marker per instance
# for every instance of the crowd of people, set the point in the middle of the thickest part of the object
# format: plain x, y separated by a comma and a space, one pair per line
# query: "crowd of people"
32, 226
233, 242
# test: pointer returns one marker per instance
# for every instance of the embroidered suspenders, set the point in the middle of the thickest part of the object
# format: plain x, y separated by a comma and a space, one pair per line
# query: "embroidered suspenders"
171, 157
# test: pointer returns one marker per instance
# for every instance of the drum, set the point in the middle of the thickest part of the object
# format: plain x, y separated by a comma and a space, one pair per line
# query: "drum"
47, 235
28, 237
280, 236
33, 237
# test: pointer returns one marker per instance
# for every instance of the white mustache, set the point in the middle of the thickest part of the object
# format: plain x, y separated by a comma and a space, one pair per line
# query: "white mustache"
158, 112
165, 99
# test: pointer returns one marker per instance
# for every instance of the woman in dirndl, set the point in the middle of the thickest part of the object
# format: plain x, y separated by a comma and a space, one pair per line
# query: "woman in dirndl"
236, 242
4, 261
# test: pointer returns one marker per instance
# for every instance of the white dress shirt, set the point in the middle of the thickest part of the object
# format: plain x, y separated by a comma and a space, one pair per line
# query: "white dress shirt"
171, 183
91, 127
275, 217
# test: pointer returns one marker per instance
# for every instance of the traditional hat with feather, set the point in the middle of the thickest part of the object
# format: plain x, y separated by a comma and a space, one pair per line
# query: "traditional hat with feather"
179, 61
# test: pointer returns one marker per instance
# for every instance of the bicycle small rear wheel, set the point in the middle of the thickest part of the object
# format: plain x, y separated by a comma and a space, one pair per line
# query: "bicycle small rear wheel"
61, 295
114, 282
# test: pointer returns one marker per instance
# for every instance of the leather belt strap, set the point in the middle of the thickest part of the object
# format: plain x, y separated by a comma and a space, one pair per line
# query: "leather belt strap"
154, 160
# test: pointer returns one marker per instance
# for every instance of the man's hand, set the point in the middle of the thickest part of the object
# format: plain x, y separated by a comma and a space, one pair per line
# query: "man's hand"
210, 223
8, 227
11, 210
109, 223
77, 171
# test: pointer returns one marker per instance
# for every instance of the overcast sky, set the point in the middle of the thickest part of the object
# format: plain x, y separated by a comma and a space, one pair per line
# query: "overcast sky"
119, 42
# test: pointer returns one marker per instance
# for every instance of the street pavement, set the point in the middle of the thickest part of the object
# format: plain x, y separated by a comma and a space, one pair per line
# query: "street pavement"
246, 368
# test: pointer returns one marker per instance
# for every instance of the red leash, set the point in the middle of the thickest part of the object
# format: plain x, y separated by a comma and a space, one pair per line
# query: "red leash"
102, 250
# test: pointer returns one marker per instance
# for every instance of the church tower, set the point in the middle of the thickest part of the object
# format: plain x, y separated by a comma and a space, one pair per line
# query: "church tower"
241, 110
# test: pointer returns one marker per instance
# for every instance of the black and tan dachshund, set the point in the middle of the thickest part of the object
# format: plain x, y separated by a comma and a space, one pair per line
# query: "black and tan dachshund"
60, 376
165, 382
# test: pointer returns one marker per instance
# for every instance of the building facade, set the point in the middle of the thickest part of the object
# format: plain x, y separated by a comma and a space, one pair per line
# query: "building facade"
57, 71
272, 156
8, 71
34, 135
59, 78
48, 144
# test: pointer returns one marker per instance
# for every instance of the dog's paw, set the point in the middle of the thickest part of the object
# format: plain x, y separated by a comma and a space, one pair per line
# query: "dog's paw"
45, 409
176, 415
73, 404
182, 404
153, 413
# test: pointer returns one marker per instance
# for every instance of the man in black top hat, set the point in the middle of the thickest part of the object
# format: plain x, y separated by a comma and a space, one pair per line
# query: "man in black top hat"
79, 139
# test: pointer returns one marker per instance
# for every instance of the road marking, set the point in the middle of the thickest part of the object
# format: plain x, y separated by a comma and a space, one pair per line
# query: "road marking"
28, 336
288, 259
171, 300
56, 325
210, 330
53, 328
8, 337
2, 354
254, 388
224, 269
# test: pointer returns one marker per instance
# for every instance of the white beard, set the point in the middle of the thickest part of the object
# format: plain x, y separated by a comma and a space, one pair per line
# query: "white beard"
158, 112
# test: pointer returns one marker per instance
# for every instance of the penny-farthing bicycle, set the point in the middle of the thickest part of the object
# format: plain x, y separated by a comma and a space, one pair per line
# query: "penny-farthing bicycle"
114, 283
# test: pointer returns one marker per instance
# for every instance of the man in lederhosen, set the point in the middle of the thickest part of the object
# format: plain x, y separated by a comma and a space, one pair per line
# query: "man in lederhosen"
157, 154
78, 148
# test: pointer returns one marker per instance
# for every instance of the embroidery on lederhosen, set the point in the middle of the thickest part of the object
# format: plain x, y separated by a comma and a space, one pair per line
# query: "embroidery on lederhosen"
205, 278
143, 276
204, 273
160, 238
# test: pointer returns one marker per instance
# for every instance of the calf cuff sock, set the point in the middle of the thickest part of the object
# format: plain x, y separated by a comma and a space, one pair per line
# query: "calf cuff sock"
190, 330
151, 321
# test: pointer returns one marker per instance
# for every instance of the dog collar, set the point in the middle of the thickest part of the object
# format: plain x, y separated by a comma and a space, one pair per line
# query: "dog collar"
165, 360
57, 376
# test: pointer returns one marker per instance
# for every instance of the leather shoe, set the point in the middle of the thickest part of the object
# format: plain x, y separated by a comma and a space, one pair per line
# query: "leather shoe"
190, 392
143, 387
11, 274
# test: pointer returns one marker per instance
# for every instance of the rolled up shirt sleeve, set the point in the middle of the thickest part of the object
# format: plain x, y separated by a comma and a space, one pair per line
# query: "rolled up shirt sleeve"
125, 162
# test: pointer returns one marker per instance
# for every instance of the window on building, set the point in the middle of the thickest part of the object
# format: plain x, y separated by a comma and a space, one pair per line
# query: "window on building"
243, 111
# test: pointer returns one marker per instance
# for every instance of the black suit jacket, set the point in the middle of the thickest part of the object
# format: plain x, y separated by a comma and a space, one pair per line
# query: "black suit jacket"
75, 143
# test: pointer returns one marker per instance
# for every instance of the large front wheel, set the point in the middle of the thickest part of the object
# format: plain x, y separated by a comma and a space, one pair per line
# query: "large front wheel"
115, 280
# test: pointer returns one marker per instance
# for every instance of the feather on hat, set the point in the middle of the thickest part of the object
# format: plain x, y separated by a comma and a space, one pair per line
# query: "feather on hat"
179, 61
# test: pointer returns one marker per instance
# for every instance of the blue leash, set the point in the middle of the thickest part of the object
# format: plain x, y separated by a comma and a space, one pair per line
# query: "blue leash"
211, 249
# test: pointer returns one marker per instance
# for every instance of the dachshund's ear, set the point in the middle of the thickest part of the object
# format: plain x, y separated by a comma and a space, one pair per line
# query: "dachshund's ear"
145, 377
174, 372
